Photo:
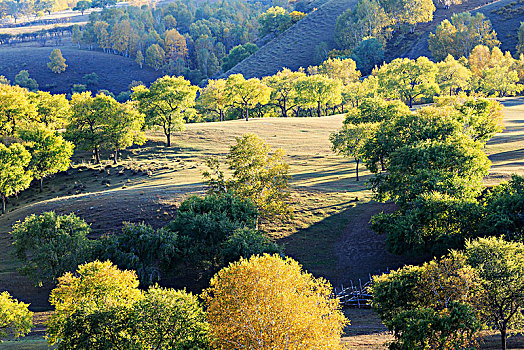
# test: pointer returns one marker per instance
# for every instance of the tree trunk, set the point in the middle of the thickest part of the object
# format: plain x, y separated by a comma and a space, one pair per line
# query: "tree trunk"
503, 339
319, 110
41, 184
247, 114
97, 155
410, 102
3, 204
357, 161
221, 115
115, 159
168, 139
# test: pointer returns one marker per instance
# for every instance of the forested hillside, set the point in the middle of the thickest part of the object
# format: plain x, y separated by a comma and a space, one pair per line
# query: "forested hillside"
296, 47
505, 24
304, 44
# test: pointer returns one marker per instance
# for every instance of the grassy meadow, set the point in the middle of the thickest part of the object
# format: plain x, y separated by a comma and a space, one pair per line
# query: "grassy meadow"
329, 234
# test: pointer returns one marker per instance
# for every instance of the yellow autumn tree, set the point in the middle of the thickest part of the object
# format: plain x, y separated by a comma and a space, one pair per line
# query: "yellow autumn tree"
175, 45
96, 286
267, 302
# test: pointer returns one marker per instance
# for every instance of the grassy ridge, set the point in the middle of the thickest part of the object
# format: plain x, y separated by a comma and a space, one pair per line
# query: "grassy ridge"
295, 47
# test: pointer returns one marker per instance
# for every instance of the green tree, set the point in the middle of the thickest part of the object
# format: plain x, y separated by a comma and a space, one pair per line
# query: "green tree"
315, 91
50, 153
49, 245
16, 109
15, 318
155, 56
368, 54
432, 223
143, 249
168, 102
214, 98
429, 306
500, 266
258, 175
86, 126
82, 6
95, 287
204, 224
408, 79
22, 79
170, 319
504, 208
57, 62
139, 58
53, 110
14, 176
344, 70
237, 55
123, 128
452, 75
283, 89
350, 141
246, 94
455, 166
159, 318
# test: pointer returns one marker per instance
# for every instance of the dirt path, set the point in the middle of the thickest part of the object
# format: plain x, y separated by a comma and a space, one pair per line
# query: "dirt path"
361, 252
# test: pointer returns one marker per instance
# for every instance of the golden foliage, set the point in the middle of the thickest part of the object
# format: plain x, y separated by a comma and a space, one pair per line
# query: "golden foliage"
267, 302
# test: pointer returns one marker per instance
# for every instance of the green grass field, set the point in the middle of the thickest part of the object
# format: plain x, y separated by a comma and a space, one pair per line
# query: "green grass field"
329, 234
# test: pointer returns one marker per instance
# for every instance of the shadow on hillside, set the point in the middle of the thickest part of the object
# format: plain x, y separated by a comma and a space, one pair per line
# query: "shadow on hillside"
343, 248
506, 156
513, 102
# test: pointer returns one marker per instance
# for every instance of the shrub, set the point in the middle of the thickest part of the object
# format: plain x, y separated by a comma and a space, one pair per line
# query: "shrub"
22, 79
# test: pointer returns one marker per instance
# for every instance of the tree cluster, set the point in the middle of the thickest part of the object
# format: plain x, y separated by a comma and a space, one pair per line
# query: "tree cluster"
181, 38
460, 36
444, 303
379, 19
16, 9
277, 20
101, 307
430, 162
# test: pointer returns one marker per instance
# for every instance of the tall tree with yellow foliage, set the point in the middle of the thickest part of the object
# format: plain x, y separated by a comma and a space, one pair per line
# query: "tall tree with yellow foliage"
268, 302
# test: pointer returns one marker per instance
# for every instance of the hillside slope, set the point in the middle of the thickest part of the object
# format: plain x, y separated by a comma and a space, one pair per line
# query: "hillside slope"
115, 73
295, 48
506, 28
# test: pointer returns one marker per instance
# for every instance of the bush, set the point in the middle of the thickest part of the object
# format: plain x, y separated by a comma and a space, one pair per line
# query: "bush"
141, 248
204, 223
269, 302
244, 243
22, 79
90, 80
50, 245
